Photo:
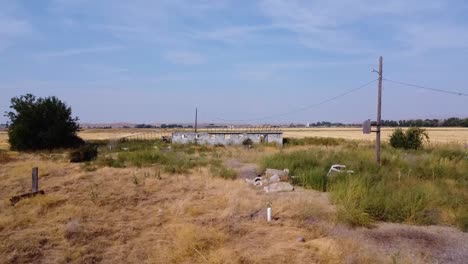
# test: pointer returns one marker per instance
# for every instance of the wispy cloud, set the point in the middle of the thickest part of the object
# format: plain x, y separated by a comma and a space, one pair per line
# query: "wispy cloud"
12, 25
265, 71
337, 26
152, 21
233, 33
184, 57
77, 51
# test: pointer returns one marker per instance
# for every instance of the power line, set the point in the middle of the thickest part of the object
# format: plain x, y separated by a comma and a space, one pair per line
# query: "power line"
427, 88
301, 109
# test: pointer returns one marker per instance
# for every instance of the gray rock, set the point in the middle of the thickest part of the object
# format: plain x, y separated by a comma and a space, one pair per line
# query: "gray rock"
279, 187
271, 172
274, 178
300, 239
72, 228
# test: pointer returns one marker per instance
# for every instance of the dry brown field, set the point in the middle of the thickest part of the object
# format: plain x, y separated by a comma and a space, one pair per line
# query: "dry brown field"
100, 214
131, 215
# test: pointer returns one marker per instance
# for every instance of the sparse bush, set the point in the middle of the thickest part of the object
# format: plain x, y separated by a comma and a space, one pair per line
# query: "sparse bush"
222, 171
247, 142
412, 138
41, 123
462, 221
179, 158
84, 153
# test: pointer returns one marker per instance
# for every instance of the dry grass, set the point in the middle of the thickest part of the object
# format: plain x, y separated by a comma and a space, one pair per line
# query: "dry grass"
4, 140
107, 216
133, 215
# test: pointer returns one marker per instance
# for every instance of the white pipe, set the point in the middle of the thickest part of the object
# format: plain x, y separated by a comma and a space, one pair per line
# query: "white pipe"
268, 214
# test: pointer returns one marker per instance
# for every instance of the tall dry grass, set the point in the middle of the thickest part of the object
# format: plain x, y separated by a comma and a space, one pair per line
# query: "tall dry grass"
134, 215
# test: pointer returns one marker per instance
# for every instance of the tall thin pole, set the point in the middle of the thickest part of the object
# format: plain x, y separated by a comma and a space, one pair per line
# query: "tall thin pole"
196, 119
379, 112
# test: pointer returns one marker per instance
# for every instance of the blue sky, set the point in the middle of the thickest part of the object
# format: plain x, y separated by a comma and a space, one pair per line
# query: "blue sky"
155, 61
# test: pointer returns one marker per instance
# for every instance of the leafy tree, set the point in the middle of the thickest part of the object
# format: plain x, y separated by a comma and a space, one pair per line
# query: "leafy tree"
87, 152
41, 123
412, 138
398, 138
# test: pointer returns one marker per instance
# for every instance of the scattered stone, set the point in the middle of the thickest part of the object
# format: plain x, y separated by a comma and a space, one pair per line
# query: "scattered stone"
300, 239
279, 187
274, 178
271, 172
257, 181
72, 228
282, 174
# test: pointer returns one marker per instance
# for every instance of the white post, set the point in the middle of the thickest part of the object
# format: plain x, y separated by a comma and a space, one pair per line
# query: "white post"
269, 214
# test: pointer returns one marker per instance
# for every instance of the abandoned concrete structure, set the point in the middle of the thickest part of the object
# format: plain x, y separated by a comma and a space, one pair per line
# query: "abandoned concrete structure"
228, 137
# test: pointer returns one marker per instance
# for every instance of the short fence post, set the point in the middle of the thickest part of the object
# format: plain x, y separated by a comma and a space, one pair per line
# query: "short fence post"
35, 179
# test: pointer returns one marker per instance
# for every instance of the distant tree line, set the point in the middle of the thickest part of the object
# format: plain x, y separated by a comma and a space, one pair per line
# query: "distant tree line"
162, 126
171, 126
449, 122
144, 126
324, 124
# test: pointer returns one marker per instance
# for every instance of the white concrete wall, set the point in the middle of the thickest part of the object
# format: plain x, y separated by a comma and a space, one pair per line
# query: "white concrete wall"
225, 139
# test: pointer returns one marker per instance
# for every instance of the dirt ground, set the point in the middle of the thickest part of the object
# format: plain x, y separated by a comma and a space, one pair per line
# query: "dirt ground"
112, 215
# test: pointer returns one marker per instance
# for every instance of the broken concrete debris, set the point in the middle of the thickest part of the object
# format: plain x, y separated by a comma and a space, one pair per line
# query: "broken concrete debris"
274, 181
338, 168
274, 178
281, 173
279, 187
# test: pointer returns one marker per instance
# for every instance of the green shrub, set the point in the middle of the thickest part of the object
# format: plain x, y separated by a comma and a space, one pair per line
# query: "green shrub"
41, 123
462, 221
172, 160
412, 138
84, 153
412, 187
111, 162
222, 171
247, 142
311, 178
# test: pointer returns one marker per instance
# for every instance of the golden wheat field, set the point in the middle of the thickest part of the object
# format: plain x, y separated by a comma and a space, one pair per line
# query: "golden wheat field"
436, 135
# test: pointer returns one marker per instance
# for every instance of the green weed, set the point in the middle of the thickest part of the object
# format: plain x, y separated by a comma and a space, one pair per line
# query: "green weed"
412, 186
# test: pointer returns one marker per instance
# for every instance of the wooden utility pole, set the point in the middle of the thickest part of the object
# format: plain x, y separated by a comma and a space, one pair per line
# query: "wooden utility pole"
35, 180
379, 113
196, 119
